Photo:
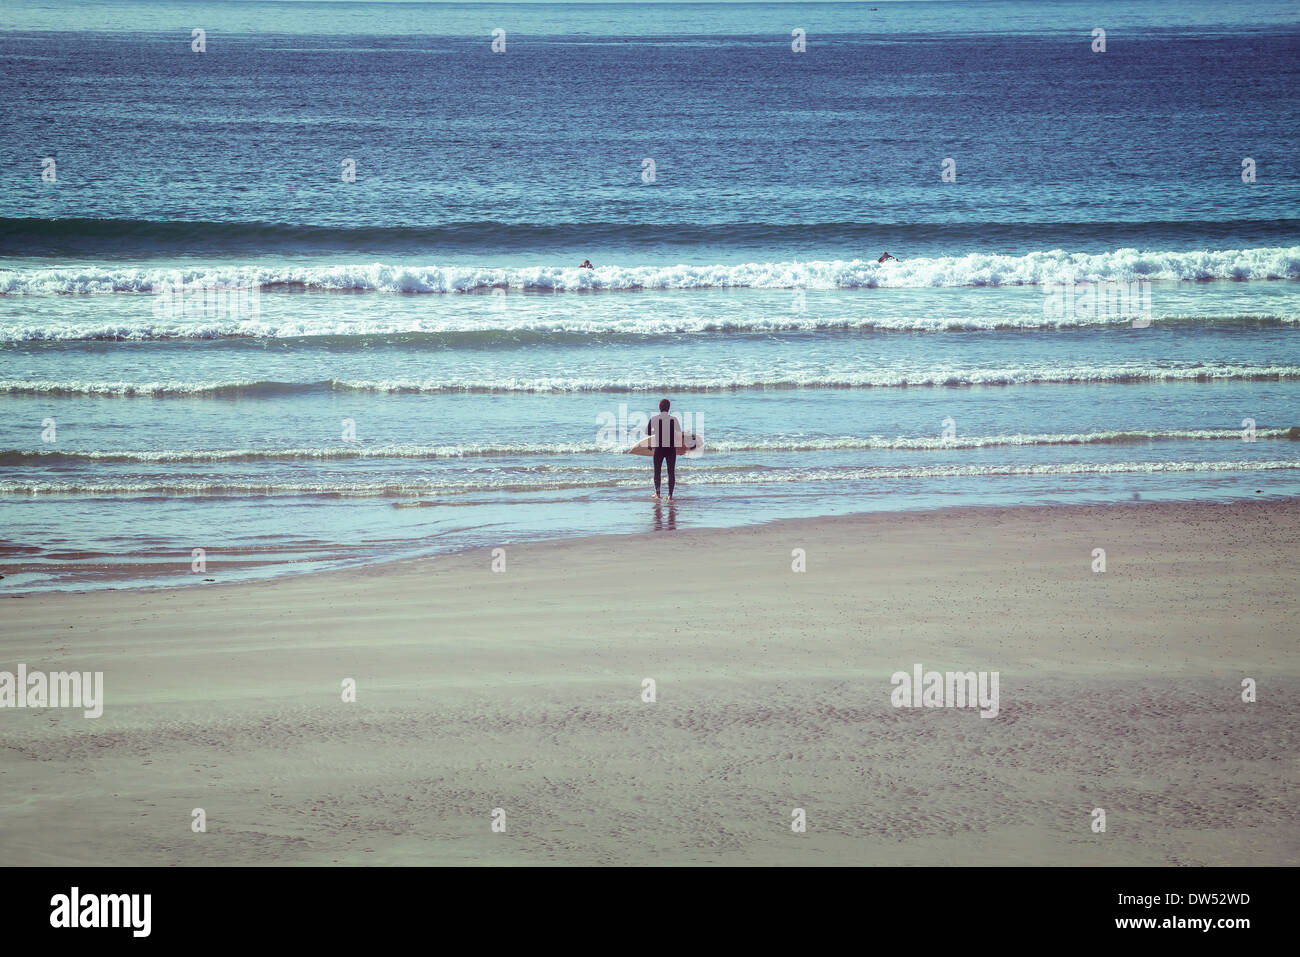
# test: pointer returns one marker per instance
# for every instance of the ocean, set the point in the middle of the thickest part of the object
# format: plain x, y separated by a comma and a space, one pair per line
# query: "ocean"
302, 291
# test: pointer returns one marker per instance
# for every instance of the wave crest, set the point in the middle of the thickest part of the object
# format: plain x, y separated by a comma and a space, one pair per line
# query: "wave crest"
973, 269
868, 380
40, 457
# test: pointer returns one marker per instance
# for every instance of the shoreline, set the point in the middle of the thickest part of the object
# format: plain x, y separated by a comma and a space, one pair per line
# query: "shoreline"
384, 563
523, 689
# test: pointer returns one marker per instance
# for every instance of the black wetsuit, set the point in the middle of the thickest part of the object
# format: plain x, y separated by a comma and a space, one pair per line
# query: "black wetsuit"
665, 451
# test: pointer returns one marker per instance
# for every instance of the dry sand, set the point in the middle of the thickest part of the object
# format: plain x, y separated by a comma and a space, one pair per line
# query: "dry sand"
522, 690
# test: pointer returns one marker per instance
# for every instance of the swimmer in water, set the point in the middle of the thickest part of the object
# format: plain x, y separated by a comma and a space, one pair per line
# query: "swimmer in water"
586, 264
887, 256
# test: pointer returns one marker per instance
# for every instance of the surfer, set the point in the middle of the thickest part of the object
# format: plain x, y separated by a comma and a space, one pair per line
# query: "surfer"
887, 256
586, 264
666, 431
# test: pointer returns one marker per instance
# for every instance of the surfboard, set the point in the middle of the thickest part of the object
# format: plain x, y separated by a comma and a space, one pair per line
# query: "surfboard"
688, 444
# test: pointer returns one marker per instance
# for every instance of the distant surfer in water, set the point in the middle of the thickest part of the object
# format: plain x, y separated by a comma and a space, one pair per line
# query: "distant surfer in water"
586, 264
887, 256
666, 431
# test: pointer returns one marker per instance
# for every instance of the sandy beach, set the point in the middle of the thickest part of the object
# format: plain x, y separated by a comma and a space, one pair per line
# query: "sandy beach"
522, 690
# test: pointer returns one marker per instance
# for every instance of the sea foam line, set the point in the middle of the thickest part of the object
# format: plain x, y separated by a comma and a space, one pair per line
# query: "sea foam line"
493, 327
40, 457
542, 384
972, 269
697, 476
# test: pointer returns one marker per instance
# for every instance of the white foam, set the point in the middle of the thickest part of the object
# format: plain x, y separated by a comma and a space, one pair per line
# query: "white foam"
698, 476
716, 447
521, 328
973, 269
1026, 375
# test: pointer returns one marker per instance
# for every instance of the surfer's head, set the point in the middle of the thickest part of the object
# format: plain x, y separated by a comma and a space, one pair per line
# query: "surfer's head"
663, 405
